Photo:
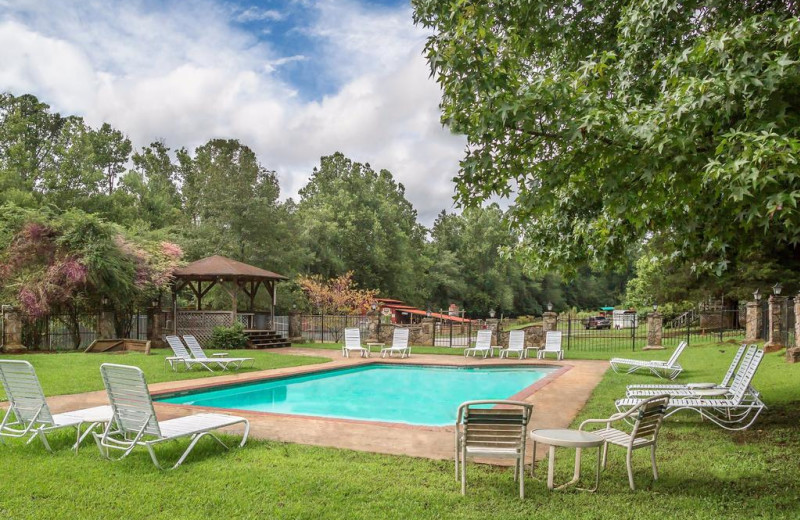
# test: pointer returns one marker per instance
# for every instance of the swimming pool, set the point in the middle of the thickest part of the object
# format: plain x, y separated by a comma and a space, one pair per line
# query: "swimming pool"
410, 394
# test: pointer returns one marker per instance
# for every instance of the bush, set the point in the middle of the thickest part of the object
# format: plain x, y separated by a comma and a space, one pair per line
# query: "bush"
229, 337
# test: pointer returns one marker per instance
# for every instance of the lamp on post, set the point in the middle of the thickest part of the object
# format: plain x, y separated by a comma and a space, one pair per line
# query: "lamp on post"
428, 312
105, 301
655, 307
757, 295
776, 289
491, 313
549, 306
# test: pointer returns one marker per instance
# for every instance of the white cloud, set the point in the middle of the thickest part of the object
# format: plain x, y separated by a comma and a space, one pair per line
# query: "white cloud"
186, 73
254, 14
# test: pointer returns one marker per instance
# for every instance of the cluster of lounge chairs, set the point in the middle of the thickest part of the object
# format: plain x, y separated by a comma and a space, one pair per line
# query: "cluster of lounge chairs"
195, 357
129, 418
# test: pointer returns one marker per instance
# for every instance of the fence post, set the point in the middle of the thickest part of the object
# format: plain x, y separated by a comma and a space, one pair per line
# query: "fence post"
569, 331
688, 328
12, 330
775, 341
752, 321
655, 323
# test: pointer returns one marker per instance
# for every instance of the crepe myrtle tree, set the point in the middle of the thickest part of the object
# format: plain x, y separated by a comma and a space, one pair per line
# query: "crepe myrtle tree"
614, 123
65, 264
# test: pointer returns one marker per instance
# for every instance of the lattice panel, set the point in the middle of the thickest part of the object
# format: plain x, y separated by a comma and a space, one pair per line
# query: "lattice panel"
201, 324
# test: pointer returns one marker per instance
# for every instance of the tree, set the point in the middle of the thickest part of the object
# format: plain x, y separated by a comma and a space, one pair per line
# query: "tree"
614, 124
356, 219
152, 184
339, 295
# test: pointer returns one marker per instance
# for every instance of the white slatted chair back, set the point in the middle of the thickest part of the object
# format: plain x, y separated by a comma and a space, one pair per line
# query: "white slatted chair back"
734, 364
484, 339
516, 340
552, 341
747, 360
177, 347
494, 428
352, 338
400, 338
24, 392
130, 399
194, 347
743, 384
649, 419
674, 358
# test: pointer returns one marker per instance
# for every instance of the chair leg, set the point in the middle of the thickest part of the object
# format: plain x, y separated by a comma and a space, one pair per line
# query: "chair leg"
653, 461
605, 454
630, 469
464, 470
521, 473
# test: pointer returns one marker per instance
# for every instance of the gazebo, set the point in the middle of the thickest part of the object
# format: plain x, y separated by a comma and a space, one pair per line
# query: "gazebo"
237, 279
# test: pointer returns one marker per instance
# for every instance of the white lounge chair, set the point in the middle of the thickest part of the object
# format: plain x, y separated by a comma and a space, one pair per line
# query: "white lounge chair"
135, 424
399, 344
182, 356
737, 409
516, 344
483, 345
28, 413
352, 343
496, 432
224, 362
669, 368
644, 434
552, 345
691, 389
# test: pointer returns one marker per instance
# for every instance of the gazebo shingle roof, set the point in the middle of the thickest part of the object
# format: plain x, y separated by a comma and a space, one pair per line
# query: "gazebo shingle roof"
218, 266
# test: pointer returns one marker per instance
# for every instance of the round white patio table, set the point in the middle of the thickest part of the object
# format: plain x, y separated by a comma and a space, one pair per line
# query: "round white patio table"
566, 438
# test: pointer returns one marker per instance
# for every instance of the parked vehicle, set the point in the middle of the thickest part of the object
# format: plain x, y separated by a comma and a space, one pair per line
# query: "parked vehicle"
597, 322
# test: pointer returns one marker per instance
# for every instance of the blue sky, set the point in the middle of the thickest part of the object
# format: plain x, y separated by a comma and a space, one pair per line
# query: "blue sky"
293, 79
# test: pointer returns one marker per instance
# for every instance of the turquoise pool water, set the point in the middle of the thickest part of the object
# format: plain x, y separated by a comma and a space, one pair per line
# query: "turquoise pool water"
421, 395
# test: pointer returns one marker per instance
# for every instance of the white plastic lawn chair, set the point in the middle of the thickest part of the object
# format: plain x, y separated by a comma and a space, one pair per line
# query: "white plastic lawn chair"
399, 344
483, 344
647, 417
552, 345
182, 356
669, 369
516, 344
224, 362
737, 408
28, 413
352, 343
135, 424
496, 432
691, 389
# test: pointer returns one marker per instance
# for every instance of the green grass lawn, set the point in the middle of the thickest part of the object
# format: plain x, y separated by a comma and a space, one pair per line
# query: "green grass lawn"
705, 472
76, 372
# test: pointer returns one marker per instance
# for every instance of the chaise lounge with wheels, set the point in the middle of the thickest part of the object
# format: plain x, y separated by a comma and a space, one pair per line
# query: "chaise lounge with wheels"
669, 369
134, 421
28, 413
220, 360
552, 345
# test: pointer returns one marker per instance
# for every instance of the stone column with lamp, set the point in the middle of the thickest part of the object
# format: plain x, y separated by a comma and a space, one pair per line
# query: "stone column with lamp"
155, 324
753, 318
105, 322
655, 327
775, 341
793, 354
12, 331
549, 322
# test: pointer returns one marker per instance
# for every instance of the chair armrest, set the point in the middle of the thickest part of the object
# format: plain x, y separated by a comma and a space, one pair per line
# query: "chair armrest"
616, 417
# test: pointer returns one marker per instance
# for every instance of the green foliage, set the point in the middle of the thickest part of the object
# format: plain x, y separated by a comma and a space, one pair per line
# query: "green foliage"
356, 219
624, 122
232, 337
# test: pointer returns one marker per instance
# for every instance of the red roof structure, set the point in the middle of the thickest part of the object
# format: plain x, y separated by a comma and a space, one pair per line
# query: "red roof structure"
400, 306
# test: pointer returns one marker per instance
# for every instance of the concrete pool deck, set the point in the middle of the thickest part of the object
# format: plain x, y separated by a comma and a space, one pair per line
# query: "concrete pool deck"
557, 400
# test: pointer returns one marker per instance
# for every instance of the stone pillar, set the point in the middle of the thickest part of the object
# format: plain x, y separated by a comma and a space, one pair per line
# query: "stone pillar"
428, 325
295, 326
753, 321
155, 328
12, 329
775, 340
549, 321
654, 331
793, 354
105, 325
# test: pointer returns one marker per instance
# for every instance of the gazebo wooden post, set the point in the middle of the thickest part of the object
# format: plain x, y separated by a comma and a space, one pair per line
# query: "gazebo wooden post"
234, 295
174, 310
199, 293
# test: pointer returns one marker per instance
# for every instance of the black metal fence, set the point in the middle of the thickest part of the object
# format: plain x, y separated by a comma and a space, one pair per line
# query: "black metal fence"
705, 325
330, 328
447, 333
58, 332
583, 335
